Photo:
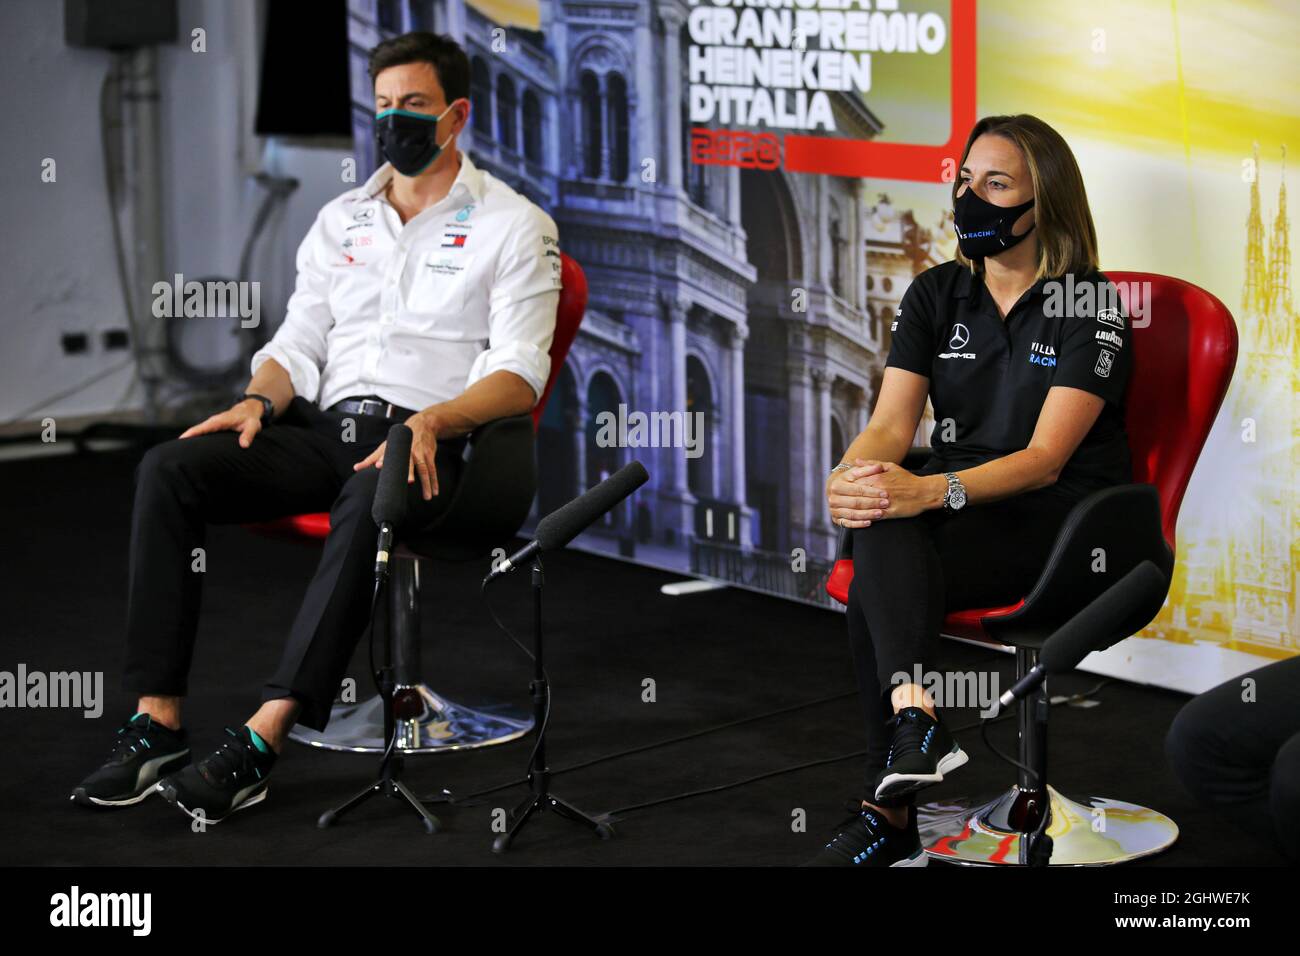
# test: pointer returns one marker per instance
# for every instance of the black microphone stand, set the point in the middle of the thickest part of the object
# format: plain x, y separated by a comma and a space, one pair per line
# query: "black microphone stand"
539, 774
392, 762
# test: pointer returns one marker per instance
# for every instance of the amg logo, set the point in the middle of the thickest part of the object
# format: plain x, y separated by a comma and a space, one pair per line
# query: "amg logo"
961, 355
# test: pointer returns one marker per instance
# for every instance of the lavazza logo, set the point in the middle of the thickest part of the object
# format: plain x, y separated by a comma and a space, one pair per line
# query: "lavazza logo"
1111, 338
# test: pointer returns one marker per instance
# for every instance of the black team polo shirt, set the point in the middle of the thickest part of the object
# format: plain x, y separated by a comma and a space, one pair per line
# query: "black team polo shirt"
989, 377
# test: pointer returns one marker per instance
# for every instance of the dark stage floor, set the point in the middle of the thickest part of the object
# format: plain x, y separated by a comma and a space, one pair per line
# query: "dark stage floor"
715, 657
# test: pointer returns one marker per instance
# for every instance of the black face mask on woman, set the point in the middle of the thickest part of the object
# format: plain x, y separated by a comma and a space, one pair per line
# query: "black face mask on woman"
408, 140
984, 229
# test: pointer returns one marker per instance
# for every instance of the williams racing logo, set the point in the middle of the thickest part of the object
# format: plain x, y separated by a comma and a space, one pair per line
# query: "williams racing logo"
1040, 354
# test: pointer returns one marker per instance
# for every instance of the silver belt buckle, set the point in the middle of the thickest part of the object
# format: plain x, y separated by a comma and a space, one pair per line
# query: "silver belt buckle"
370, 401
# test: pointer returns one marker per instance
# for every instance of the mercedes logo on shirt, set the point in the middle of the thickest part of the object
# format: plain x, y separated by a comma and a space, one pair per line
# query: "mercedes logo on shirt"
960, 336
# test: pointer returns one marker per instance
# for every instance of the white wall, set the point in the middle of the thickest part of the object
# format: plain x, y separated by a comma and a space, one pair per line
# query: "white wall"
58, 273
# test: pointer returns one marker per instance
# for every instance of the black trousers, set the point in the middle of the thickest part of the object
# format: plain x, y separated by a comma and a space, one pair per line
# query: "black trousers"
300, 463
909, 572
1237, 748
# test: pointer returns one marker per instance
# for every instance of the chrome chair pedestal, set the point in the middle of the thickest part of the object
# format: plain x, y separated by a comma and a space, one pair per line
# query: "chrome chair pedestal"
427, 722
1093, 832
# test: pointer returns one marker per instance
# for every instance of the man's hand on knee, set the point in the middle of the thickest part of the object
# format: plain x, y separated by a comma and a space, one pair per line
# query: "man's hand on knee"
244, 417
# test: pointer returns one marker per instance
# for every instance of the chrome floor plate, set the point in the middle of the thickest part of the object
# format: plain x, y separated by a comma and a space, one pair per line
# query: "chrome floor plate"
1092, 832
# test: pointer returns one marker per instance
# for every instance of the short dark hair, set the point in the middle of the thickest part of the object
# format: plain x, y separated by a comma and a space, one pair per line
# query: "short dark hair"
449, 62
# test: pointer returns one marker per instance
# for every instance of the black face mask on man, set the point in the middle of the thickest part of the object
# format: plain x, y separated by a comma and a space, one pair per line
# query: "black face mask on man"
409, 140
984, 229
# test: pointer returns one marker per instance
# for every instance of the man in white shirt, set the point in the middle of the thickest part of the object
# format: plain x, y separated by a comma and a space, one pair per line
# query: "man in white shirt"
428, 295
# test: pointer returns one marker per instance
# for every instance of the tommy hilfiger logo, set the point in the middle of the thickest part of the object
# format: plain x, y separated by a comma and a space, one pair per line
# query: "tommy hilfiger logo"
454, 240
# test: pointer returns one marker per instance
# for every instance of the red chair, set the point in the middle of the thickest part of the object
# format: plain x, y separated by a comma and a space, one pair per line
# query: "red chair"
490, 504
1184, 354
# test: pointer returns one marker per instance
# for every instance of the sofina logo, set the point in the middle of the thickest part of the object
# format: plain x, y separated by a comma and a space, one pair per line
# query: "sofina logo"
464, 212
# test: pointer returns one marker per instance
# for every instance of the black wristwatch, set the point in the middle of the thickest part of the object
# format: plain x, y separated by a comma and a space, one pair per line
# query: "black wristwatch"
268, 406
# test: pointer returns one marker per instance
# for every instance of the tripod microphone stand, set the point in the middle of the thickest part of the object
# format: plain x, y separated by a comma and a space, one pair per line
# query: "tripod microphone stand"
388, 511
391, 764
539, 775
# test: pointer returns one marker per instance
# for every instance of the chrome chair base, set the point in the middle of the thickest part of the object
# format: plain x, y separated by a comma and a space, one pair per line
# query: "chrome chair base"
426, 723
1095, 832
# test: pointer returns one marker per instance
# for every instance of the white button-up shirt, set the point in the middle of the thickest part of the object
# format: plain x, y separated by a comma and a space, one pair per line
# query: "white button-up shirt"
417, 313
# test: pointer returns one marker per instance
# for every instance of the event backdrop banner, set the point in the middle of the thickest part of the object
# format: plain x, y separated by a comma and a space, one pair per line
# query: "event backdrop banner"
750, 187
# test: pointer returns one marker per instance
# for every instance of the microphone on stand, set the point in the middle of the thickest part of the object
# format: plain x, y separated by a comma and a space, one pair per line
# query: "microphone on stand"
389, 507
564, 524
1110, 617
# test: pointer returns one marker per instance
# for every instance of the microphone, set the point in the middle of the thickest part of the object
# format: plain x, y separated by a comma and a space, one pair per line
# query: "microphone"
562, 525
1122, 609
389, 507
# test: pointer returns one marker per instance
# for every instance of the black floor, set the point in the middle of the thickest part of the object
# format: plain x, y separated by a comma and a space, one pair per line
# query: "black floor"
714, 657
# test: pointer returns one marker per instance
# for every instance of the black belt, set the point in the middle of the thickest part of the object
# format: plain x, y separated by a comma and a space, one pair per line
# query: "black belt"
376, 407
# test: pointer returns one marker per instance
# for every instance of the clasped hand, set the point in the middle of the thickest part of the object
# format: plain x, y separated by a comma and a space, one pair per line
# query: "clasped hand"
874, 490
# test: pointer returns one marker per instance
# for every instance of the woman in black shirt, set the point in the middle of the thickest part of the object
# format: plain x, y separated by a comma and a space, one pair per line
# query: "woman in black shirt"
1021, 345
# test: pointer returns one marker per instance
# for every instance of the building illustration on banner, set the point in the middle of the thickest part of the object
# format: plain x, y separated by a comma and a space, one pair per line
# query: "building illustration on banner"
1237, 582
759, 298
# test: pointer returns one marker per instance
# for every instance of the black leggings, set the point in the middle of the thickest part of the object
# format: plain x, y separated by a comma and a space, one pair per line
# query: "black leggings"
908, 572
1237, 748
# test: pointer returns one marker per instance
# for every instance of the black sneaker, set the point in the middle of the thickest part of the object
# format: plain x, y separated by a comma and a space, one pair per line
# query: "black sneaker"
143, 752
868, 839
921, 752
232, 778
